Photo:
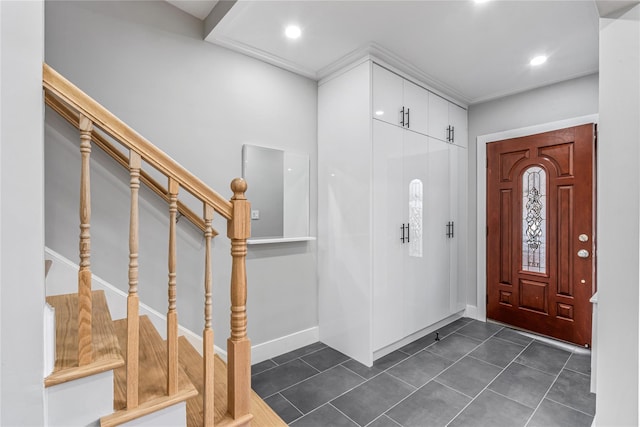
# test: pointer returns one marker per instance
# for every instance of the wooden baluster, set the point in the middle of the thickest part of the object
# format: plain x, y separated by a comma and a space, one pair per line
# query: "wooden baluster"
207, 334
172, 315
238, 345
133, 300
85, 355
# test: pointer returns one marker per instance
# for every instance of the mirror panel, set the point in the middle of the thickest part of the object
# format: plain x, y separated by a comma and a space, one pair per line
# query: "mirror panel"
278, 189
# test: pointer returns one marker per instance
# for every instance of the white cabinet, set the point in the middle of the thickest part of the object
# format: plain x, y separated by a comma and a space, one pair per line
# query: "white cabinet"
447, 121
408, 294
388, 218
388, 197
398, 101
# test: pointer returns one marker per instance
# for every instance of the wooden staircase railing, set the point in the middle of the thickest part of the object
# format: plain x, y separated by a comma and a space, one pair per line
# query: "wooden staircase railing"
89, 117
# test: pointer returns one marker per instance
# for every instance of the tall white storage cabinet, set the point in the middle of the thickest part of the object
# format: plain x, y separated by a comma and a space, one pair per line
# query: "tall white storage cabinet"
389, 202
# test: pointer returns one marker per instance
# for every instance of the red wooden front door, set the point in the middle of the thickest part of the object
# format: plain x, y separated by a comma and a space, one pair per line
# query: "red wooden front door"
541, 229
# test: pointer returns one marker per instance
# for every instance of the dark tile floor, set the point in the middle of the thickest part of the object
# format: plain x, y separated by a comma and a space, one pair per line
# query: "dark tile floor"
478, 374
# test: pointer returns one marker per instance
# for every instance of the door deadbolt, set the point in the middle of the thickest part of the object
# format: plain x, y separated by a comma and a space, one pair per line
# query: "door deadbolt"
583, 253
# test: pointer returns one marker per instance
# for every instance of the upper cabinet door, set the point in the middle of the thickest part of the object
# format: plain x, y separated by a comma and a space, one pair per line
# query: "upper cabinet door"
387, 96
416, 103
438, 118
458, 122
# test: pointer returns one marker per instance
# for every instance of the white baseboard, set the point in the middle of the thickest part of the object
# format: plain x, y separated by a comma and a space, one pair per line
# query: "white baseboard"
62, 279
471, 312
263, 351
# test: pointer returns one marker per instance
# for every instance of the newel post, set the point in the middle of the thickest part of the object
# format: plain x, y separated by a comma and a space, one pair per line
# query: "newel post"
238, 345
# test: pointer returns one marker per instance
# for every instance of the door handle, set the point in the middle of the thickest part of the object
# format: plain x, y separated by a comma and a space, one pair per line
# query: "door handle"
583, 253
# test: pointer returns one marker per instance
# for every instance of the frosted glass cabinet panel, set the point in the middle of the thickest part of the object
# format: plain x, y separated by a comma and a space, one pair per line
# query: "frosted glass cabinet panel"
418, 300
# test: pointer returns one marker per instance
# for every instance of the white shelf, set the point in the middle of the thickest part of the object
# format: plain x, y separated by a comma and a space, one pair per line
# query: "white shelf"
279, 240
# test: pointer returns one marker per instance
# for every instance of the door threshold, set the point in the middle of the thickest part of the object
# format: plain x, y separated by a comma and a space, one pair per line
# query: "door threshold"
564, 345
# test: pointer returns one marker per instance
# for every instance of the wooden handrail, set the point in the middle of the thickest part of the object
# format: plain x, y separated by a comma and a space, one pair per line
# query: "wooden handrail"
72, 118
52, 81
86, 115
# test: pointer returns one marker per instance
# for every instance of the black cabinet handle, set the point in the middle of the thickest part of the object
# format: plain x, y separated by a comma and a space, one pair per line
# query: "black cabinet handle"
408, 117
453, 134
450, 228
402, 124
408, 233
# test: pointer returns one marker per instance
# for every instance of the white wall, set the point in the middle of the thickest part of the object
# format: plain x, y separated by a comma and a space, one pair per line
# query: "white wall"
146, 62
572, 98
618, 217
21, 214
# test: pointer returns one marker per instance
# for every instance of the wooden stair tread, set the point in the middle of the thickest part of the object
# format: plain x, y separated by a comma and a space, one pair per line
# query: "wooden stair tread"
106, 349
193, 364
152, 381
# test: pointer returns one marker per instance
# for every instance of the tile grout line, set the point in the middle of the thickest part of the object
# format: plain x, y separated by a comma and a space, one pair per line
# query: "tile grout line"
548, 390
451, 388
578, 372
488, 363
433, 343
441, 372
491, 382
404, 382
330, 400
347, 416
295, 384
289, 361
351, 370
302, 414
384, 415
268, 369
299, 357
570, 407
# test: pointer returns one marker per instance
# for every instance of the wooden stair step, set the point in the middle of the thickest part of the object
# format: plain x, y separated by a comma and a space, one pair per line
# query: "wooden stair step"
193, 364
152, 381
106, 349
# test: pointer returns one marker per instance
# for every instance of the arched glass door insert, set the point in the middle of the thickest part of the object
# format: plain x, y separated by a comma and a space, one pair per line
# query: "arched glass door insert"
534, 219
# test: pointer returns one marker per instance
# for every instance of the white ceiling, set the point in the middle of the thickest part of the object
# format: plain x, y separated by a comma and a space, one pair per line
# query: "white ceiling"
198, 8
473, 52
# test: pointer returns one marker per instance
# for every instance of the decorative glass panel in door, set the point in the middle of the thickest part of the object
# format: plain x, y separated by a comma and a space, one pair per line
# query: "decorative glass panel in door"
534, 224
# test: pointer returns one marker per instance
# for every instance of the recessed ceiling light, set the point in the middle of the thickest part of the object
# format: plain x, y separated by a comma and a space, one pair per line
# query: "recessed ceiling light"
538, 60
293, 32
481, 1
